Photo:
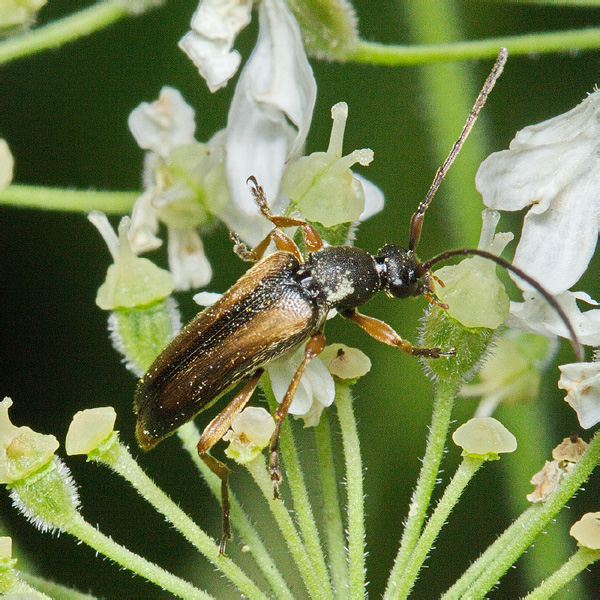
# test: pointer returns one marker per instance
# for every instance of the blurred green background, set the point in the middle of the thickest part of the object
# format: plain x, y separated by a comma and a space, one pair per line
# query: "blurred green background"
64, 115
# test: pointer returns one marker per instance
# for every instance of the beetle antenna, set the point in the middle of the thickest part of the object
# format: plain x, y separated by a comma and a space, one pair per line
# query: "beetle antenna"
426, 266
416, 222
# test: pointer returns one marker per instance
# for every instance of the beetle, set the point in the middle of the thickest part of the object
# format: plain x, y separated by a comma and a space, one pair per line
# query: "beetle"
281, 302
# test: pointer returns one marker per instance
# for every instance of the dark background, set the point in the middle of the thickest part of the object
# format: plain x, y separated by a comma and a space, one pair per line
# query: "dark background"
64, 115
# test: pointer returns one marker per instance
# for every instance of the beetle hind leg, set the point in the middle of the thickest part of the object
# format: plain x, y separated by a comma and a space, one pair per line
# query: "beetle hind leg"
313, 348
213, 432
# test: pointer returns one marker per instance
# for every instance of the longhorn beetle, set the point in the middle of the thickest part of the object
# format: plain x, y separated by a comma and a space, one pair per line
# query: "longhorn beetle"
280, 303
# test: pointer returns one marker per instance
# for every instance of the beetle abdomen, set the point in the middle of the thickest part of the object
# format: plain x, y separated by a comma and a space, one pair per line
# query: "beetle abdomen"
261, 317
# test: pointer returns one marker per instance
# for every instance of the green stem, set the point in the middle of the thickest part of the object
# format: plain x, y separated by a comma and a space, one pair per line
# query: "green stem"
11, 585
258, 469
68, 28
118, 458
334, 525
354, 479
438, 432
189, 436
53, 589
577, 563
463, 475
529, 423
484, 573
536, 43
32, 196
302, 508
82, 530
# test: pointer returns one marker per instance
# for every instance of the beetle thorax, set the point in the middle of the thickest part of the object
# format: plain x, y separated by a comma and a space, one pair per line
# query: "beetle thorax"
340, 277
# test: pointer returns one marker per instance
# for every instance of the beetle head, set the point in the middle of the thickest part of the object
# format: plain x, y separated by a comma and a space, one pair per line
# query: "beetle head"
401, 273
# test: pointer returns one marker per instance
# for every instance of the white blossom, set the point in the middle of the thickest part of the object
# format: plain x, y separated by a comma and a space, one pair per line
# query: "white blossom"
315, 391
166, 129
553, 167
209, 44
582, 383
164, 124
270, 115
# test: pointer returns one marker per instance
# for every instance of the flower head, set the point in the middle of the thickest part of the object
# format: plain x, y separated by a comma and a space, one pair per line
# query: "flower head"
344, 362
176, 188
565, 455
472, 290
89, 428
587, 531
215, 25
323, 187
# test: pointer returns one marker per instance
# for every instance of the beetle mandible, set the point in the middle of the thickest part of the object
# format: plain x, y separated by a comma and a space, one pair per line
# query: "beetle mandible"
281, 302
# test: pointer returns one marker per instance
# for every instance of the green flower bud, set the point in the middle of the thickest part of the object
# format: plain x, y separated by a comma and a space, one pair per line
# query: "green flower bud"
90, 428
484, 437
22, 450
321, 185
130, 281
143, 317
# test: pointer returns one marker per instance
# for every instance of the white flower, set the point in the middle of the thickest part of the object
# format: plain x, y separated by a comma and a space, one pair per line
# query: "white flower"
215, 25
269, 117
554, 167
165, 124
582, 382
315, 392
174, 172
250, 432
535, 315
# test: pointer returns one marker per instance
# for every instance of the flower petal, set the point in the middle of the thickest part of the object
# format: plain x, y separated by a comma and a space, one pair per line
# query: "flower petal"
276, 88
535, 315
582, 383
554, 167
165, 124
215, 25
187, 262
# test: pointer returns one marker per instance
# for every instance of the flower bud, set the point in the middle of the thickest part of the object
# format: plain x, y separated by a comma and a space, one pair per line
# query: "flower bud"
250, 432
345, 362
22, 450
321, 185
587, 531
89, 428
484, 437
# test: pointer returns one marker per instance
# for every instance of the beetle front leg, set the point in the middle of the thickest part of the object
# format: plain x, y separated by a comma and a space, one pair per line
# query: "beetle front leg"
382, 332
212, 433
314, 347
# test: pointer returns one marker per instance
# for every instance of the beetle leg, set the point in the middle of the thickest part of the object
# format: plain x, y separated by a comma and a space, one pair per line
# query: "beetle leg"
213, 432
314, 347
382, 332
312, 239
